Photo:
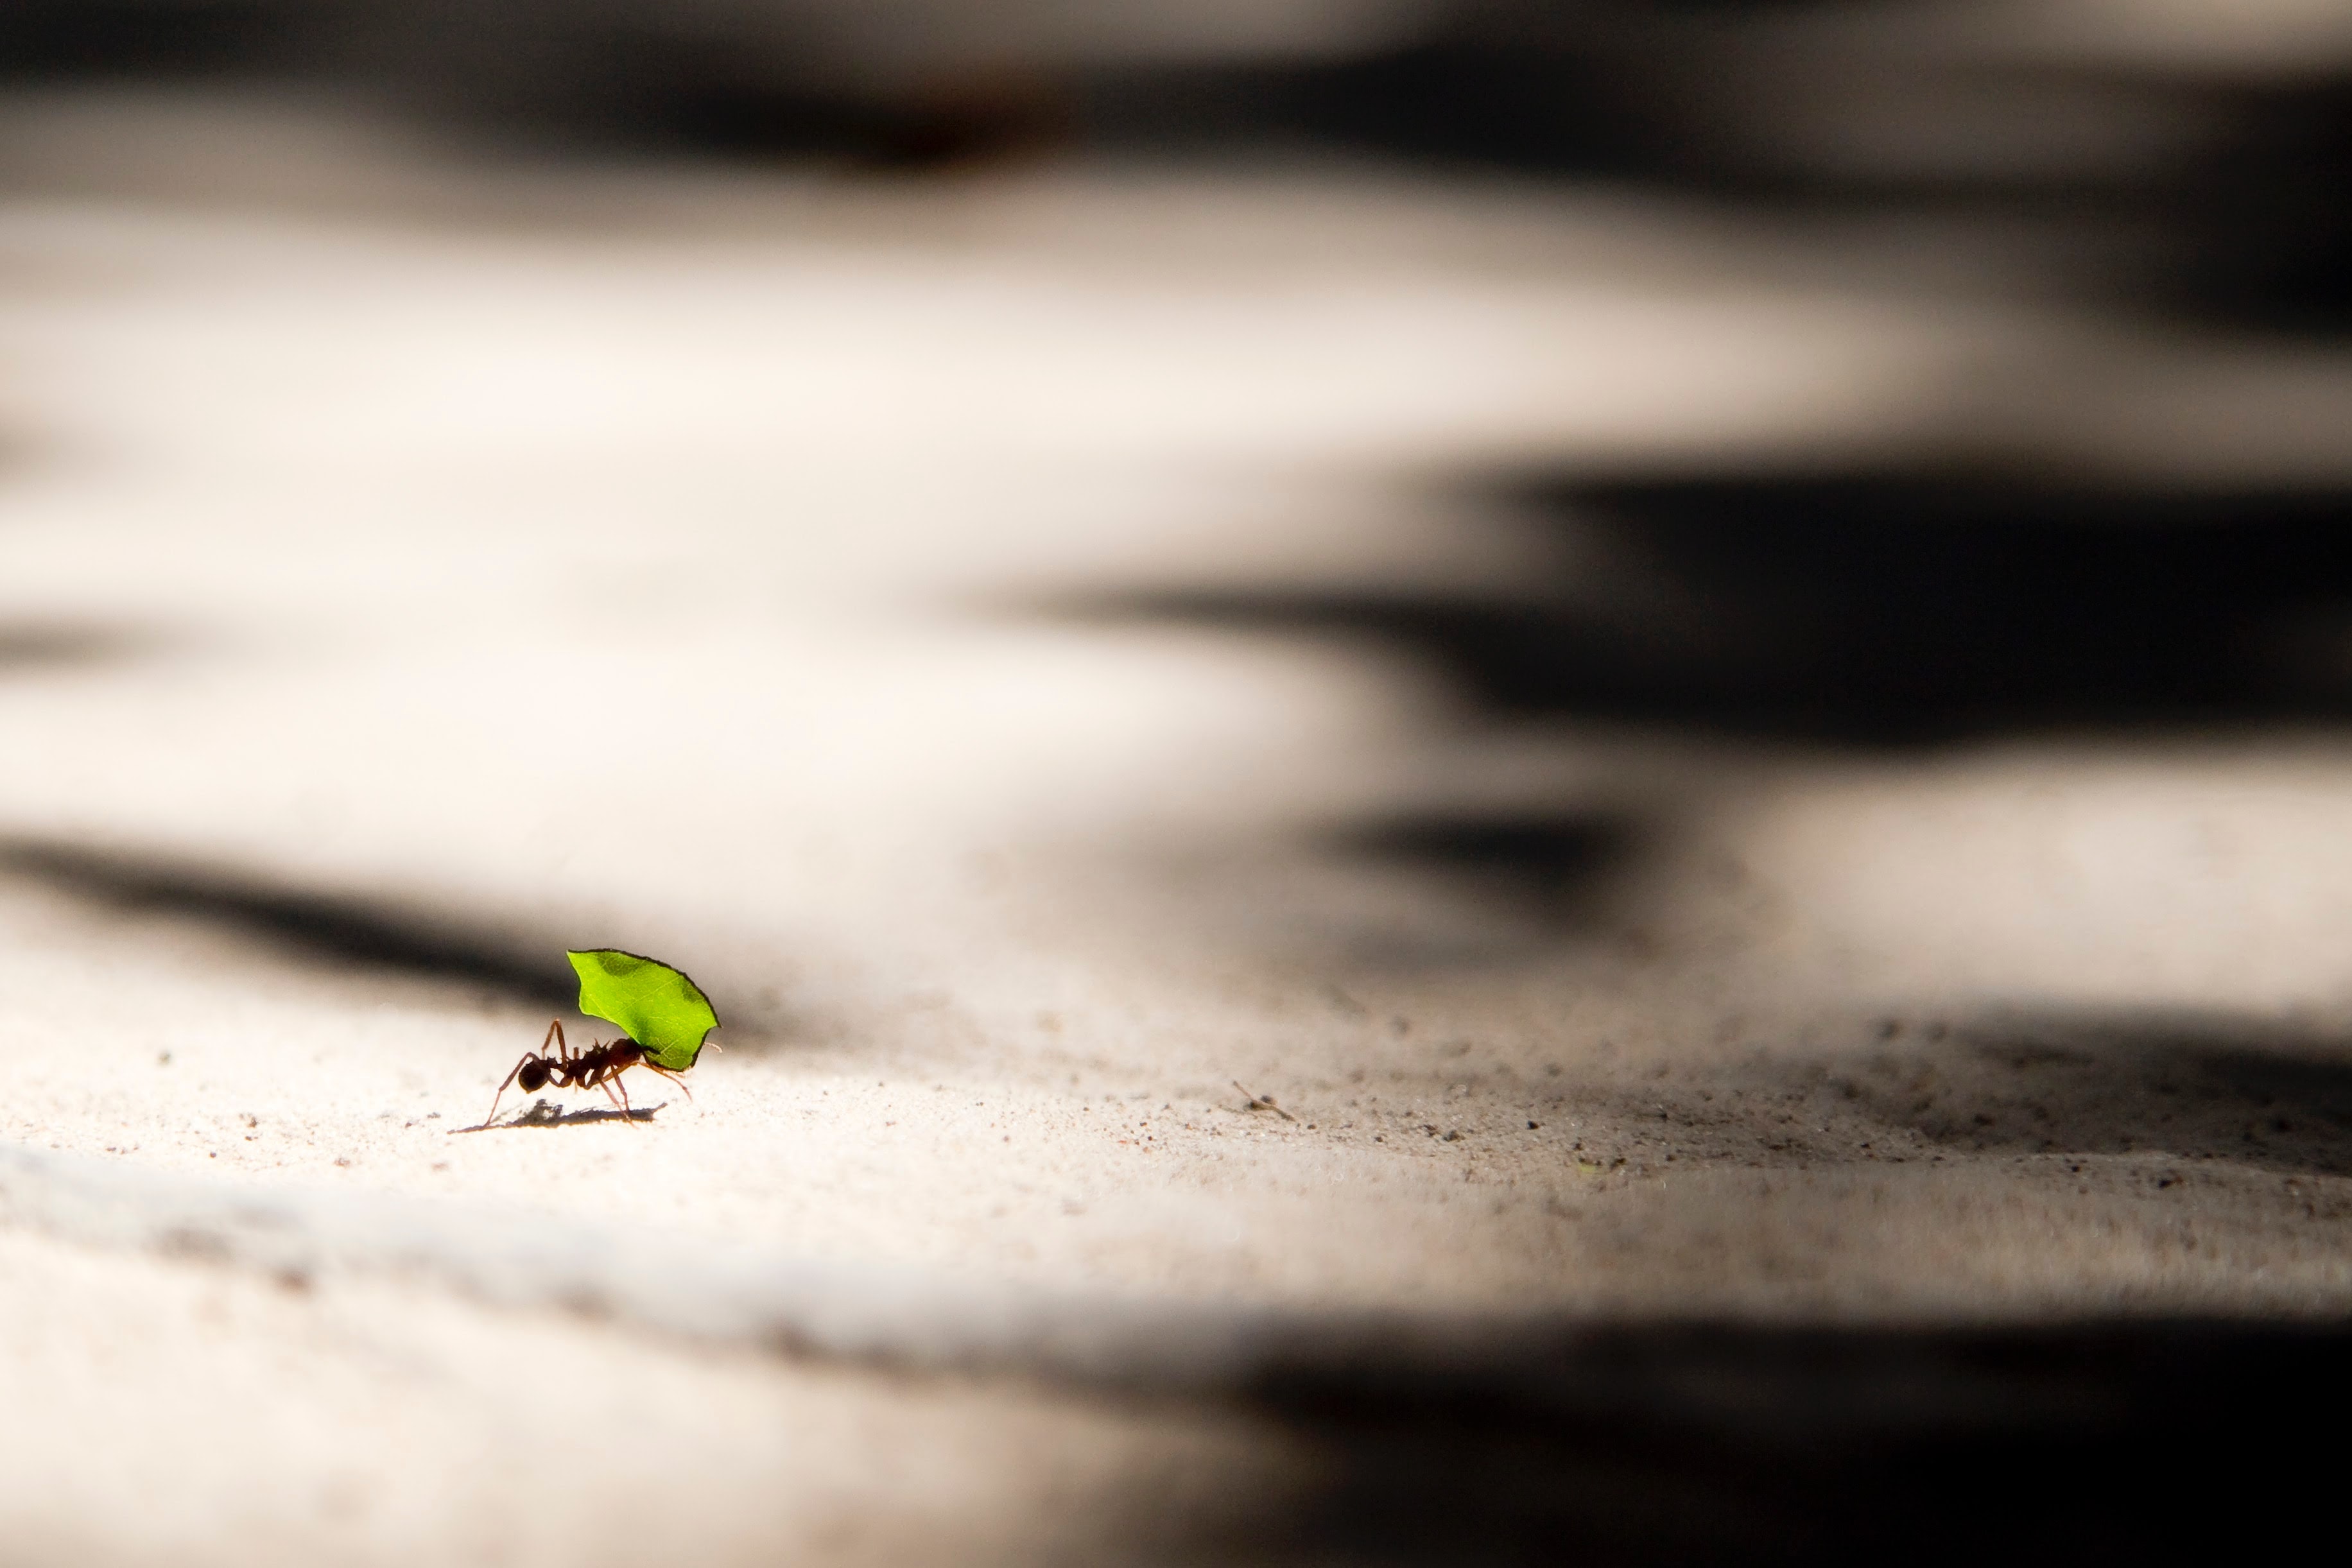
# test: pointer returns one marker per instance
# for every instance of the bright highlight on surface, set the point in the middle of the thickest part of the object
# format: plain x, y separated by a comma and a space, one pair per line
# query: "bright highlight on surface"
655, 1006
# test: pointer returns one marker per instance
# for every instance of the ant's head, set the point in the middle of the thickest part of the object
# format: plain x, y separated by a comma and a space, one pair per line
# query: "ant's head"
535, 1074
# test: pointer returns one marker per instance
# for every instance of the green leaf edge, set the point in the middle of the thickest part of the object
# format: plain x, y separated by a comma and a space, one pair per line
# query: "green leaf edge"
671, 1056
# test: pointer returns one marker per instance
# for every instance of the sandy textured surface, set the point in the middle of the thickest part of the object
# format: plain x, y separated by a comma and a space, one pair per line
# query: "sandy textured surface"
407, 580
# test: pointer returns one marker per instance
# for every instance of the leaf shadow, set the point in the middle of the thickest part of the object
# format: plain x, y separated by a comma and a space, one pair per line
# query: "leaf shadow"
340, 929
29, 646
2194, 1088
1721, 1441
1917, 606
1557, 865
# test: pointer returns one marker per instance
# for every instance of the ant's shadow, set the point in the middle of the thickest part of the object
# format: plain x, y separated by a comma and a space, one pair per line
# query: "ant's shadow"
546, 1114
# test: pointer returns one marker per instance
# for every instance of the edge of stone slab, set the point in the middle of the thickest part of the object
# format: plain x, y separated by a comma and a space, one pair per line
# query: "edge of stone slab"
1791, 1386
682, 1288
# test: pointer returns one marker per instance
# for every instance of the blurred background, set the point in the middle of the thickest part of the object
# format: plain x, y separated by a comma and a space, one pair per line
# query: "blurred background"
1715, 637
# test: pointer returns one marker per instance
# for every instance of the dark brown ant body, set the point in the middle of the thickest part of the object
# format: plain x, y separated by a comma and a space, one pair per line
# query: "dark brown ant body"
598, 1067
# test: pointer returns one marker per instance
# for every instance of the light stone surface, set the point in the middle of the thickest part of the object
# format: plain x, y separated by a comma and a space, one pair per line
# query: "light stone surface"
513, 560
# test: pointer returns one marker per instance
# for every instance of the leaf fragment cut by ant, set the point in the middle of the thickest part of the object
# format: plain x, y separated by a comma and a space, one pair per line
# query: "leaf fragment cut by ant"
654, 1004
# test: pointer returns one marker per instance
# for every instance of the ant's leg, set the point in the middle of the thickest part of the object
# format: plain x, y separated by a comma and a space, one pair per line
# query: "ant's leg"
619, 1097
555, 1033
502, 1088
673, 1077
628, 1113
601, 1078
619, 1103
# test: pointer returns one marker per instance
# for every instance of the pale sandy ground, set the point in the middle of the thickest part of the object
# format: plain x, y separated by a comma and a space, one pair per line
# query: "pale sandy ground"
415, 561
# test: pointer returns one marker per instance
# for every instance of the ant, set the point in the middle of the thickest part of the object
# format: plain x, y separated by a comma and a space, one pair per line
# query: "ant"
598, 1067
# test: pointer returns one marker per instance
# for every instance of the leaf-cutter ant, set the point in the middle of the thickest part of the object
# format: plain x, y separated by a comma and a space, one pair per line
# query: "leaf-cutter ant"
598, 1067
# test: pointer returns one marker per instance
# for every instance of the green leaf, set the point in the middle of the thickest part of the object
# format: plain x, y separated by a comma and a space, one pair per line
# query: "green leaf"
658, 1006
